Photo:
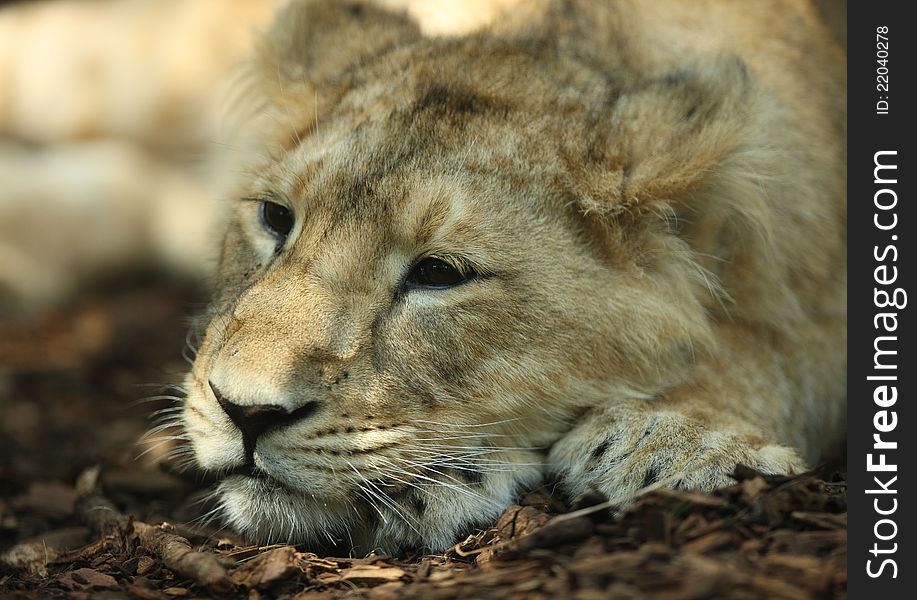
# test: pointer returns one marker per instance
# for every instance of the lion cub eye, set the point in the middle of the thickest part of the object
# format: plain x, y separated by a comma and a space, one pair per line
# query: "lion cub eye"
277, 219
435, 273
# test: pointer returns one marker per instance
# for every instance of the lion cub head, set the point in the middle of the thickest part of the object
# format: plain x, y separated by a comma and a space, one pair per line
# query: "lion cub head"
458, 247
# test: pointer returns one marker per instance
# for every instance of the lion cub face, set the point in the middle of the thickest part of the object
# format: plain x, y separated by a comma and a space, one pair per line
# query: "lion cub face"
414, 304
395, 340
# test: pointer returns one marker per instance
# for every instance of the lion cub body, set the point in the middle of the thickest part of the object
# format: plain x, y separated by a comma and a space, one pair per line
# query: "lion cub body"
648, 201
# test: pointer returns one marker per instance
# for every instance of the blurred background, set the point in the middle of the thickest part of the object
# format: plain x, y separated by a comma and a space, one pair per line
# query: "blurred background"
112, 137
117, 137
114, 155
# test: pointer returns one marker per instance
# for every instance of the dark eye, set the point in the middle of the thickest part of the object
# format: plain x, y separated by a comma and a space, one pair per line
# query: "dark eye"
278, 219
435, 273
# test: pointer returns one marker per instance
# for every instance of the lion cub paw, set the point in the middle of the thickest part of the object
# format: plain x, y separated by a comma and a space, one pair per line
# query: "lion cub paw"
620, 452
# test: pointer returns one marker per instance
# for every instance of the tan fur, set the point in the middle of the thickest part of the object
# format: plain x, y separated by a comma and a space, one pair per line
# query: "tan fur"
652, 195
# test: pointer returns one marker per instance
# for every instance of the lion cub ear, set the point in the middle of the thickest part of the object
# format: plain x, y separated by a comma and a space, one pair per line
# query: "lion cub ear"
662, 137
305, 60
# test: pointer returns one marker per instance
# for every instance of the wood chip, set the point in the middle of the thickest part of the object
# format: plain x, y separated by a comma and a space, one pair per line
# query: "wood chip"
710, 542
372, 574
823, 520
268, 568
90, 578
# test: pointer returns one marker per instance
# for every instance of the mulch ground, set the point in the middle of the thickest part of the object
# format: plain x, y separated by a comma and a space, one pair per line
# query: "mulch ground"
81, 517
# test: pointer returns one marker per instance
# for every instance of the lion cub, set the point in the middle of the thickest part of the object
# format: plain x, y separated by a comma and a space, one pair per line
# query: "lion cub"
601, 241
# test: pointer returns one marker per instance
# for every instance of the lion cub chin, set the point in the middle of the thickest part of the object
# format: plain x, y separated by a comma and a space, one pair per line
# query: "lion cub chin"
598, 241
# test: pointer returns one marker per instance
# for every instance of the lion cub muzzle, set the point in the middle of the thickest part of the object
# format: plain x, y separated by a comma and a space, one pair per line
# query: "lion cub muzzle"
255, 420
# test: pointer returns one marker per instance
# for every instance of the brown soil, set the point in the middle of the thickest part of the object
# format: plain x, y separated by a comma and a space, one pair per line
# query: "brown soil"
69, 382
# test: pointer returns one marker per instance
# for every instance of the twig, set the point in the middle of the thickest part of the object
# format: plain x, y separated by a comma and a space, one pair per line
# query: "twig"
100, 515
576, 514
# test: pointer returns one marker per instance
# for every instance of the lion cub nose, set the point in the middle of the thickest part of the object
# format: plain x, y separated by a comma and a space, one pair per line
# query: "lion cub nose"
253, 420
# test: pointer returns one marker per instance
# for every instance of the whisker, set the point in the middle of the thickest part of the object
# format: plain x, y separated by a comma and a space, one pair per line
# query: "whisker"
458, 486
149, 399
169, 424
439, 424
490, 448
165, 411
363, 492
384, 498
471, 436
